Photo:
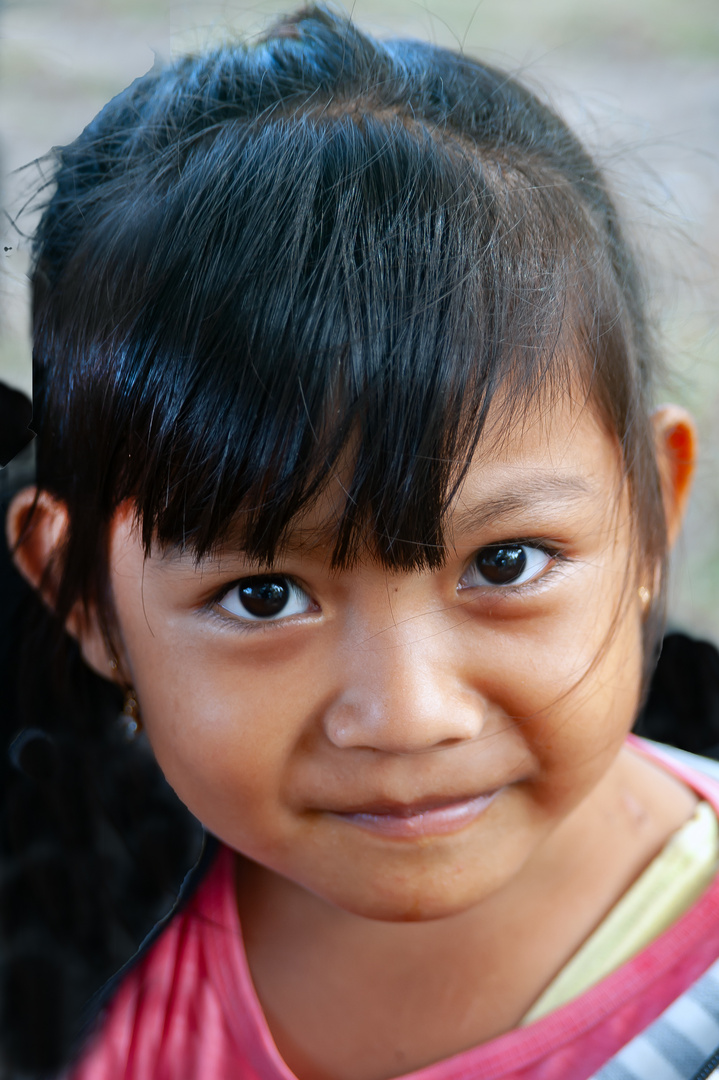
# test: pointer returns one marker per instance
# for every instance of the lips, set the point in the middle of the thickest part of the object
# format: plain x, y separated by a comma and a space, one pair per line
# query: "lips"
433, 816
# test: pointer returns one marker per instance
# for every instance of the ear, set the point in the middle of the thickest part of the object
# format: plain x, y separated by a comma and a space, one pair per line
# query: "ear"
36, 527
675, 439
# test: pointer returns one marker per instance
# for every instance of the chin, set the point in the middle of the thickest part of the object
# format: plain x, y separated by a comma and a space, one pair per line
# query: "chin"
424, 901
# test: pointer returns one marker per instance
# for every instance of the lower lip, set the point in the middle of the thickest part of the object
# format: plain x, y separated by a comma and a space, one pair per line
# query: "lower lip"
439, 821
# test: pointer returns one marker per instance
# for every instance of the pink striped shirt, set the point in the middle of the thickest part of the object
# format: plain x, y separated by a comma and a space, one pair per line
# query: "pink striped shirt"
188, 1010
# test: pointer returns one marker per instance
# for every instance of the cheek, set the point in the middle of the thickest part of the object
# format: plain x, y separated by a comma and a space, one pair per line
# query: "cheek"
212, 755
222, 738
570, 682
586, 643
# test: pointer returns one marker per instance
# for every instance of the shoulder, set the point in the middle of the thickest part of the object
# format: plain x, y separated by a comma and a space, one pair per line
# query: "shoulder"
699, 773
169, 994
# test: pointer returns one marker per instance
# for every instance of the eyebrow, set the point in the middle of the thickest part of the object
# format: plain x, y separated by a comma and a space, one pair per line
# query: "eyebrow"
544, 490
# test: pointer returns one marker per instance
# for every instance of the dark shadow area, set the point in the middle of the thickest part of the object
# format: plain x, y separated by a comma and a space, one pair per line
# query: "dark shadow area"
682, 707
15, 417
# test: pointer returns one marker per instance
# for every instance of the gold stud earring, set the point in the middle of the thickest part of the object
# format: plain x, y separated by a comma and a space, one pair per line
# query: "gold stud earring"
644, 596
129, 718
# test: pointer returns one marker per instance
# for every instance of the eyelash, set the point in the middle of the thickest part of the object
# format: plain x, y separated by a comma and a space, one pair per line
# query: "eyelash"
245, 622
555, 556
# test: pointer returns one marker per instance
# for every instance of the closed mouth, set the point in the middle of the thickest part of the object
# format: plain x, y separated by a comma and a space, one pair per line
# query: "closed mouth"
433, 816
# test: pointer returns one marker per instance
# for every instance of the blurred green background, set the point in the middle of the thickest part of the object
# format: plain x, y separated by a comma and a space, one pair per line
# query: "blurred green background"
639, 80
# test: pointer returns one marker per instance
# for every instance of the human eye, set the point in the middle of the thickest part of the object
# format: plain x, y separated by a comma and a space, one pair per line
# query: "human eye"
507, 564
266, 598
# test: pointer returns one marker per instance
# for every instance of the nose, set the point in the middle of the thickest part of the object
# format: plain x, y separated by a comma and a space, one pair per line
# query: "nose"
404, 698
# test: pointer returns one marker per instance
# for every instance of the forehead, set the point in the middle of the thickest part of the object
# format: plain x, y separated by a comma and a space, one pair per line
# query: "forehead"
552, 457
558, 453
548, 438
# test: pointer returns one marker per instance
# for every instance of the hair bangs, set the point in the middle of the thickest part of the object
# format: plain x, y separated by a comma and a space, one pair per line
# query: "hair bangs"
410, 282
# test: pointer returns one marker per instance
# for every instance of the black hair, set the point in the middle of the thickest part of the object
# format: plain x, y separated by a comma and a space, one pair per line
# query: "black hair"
262, 266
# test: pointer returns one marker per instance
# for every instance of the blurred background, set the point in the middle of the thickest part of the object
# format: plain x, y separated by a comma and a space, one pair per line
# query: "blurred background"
638, 79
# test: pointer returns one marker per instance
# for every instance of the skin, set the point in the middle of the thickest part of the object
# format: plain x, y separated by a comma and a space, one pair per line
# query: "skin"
376, 954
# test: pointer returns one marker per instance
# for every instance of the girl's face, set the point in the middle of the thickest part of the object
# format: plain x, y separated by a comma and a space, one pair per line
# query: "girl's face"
401, 743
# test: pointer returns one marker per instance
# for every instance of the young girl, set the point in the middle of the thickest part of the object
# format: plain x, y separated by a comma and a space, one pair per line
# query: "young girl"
351, 504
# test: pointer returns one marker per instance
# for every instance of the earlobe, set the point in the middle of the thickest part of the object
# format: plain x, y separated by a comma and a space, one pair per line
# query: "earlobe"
36, 527
676, 448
